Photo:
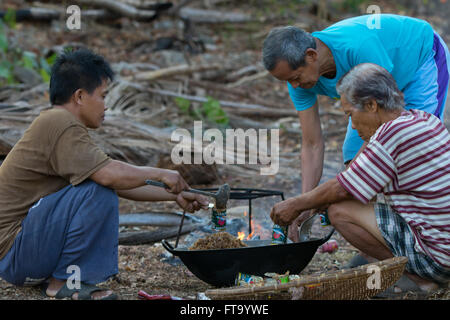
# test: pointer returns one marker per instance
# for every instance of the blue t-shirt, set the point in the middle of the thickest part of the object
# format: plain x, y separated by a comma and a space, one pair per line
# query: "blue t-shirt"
401, 45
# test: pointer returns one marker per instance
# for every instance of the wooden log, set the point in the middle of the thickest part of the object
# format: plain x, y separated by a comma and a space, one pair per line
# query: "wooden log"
213, 16
147, 237
121, 9
176, 8
159, 219
148, 5
48, 14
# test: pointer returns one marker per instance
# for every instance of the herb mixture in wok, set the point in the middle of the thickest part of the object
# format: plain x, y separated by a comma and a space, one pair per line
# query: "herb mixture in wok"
219, 240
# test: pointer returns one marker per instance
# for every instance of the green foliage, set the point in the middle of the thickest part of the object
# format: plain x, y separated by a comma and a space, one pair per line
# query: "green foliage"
12, 57
29, 60
213, 112
6, 72
10, 18
210, 110
183, 104
3, 39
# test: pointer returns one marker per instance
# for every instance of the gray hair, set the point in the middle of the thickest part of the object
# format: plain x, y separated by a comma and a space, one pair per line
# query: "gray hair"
286, 43
368, 81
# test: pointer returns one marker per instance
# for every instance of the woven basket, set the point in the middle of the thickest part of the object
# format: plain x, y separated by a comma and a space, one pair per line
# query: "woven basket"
357, 283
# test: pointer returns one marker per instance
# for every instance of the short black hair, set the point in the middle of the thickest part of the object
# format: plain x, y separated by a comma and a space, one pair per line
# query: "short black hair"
73, 70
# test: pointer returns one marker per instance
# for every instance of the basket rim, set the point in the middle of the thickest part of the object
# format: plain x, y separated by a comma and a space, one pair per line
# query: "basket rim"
387, 265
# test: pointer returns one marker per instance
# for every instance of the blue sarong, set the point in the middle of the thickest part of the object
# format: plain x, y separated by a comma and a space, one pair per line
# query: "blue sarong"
76, 228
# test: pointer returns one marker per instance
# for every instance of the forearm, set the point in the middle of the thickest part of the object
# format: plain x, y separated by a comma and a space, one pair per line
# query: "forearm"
313, 148
312, 156
147, 193
119, 175
285, 212
322, 196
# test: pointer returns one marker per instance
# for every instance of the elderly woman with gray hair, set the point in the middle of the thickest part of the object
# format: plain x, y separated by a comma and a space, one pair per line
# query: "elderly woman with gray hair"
407, 159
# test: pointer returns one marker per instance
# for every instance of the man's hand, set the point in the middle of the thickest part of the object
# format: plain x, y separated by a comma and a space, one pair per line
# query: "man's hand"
284, 212
174, 180
191, 202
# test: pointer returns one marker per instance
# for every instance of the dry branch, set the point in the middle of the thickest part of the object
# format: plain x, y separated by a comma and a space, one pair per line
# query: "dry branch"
253, 77
236, 92
15, 118
237, 107
172, 71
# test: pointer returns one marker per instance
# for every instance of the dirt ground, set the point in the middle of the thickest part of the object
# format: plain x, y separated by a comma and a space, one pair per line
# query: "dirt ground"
142, 267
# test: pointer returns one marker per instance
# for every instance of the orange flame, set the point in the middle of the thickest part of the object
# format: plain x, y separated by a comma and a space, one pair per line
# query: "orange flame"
256, 229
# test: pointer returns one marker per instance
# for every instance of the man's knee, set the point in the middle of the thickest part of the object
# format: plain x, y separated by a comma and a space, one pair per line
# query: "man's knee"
341, 212
97, 190
102, 197
337, 213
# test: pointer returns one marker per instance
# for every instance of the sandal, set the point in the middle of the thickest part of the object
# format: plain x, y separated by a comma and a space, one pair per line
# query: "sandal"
84, 293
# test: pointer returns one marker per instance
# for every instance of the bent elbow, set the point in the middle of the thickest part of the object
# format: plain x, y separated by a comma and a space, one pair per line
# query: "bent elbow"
106, 176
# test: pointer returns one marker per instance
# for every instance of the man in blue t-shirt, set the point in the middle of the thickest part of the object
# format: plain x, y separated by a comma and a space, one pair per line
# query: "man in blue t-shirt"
312, 64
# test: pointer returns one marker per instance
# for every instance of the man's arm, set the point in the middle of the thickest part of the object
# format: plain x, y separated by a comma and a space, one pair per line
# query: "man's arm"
312, 155
146, 193
119, 175
187, 201
283, 213
312, 152
129, 182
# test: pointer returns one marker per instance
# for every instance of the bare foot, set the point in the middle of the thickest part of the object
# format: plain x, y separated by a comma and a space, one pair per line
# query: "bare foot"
55, 284
423, 284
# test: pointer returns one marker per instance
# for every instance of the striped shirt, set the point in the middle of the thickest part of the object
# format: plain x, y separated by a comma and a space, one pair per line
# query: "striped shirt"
408, 160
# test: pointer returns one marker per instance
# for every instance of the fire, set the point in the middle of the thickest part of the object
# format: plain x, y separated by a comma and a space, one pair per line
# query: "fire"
256, 227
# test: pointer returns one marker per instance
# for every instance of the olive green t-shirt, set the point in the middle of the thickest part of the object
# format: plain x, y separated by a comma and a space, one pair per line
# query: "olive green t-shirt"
55, 151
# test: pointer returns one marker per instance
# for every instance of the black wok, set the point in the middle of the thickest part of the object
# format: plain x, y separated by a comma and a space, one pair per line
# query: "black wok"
220, 267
